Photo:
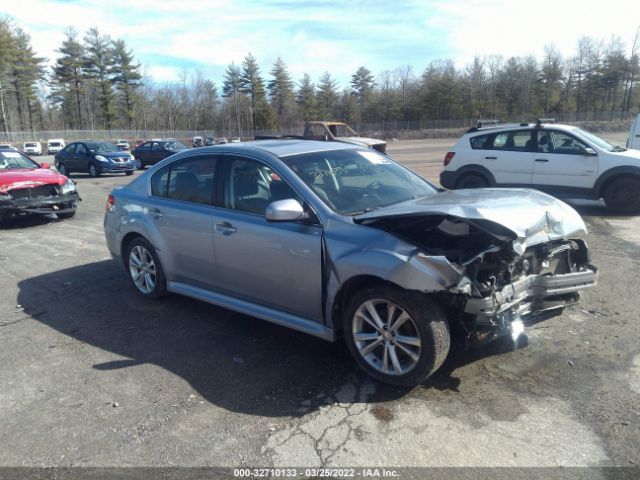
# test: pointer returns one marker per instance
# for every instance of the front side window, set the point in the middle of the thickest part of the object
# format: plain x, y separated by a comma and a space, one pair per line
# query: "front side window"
145, 147
555, 141
250, 186
189, 180
156, 146
81, 149
356, 181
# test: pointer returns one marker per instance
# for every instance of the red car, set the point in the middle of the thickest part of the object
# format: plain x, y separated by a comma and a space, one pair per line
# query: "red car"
27, 187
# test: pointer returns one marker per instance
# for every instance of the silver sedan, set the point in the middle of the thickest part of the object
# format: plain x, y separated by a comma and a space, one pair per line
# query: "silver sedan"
341, 241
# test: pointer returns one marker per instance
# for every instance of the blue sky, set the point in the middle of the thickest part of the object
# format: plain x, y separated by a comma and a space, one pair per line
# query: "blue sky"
170, 36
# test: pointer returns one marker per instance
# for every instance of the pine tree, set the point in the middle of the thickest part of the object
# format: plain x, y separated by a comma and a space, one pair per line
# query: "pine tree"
361, 86
232, 88
126, 78
98, 69
327, 96
281, 91
306, 98
68, 80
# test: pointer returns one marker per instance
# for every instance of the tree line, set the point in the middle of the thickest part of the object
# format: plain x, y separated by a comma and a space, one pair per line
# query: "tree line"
96, 84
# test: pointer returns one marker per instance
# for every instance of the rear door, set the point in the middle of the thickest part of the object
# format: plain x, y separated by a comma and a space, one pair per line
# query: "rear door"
509, 157
182, 208
81, 157
276, 264
560, 161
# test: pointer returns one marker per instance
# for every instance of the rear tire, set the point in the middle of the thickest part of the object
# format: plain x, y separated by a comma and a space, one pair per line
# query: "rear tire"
623, 195
472, 180
145, 271
62, 170
407, 342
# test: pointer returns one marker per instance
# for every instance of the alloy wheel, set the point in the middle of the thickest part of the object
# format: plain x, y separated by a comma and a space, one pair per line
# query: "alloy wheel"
386, 337
142, 269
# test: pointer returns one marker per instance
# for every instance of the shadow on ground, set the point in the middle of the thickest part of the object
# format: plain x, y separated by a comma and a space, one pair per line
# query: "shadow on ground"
232, 360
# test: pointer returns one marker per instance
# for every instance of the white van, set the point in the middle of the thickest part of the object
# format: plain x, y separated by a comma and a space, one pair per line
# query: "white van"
634, 134
32, 148
54, 145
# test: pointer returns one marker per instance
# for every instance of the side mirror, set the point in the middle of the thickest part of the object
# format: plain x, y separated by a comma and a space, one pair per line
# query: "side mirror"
589, 152
45, 165
287, 210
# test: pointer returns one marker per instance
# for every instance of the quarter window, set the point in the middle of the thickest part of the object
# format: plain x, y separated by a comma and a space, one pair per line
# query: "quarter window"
479, 142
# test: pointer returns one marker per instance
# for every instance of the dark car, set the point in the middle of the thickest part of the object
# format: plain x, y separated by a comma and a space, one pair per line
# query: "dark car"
27, 187
93, 157
150, 153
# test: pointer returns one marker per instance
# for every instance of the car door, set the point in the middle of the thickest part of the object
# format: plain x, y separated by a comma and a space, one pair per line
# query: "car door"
66, 156
275, 264
181, 207
143, 152
509, 157
81, 157
157, 153
562, 161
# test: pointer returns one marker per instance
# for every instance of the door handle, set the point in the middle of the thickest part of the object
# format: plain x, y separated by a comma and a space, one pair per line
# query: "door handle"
490, 158
637, 135
226, 228
542, 160
155, 213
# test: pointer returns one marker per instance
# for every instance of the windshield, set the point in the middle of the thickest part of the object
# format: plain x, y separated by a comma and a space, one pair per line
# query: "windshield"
357, 181
597, 141
13, 160
102, 147
29, 145
175, 145
54, 144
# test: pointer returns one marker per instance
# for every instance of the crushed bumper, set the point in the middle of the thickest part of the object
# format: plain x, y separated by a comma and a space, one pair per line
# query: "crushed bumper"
532, 295
39, 205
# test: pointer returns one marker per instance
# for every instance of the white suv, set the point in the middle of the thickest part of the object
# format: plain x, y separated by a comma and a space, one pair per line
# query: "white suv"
562, 160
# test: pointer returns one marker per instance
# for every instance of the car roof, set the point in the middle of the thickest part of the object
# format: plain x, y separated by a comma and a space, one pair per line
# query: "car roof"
518, 126
286, 147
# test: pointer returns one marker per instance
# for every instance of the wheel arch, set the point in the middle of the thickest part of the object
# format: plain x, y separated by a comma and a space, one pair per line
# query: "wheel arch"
613, 174
476, 170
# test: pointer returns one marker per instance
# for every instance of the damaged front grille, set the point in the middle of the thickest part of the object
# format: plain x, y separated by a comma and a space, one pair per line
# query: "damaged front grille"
35, 192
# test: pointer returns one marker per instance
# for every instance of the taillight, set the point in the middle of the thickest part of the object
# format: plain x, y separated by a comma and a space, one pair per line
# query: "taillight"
448, 157
111, 201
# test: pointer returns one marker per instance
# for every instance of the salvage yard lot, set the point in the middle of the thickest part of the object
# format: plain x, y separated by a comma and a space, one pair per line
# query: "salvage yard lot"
93, 375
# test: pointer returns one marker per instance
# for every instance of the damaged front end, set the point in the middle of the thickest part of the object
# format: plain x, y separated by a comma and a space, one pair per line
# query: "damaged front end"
506, 273
40, 199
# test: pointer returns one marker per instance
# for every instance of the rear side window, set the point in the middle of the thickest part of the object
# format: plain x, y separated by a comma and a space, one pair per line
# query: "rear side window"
190, 180
479, 142
517, 141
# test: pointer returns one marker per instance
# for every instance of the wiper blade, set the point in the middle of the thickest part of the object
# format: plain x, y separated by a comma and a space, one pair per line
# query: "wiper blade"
616, 148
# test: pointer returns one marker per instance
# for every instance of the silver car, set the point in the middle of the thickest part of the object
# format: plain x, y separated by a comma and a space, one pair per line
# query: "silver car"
337, 240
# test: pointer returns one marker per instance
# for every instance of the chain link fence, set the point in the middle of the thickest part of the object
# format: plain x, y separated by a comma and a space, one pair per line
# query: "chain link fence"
388, 129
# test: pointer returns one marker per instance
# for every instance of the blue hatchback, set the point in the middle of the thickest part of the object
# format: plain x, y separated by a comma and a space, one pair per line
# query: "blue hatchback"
93, 157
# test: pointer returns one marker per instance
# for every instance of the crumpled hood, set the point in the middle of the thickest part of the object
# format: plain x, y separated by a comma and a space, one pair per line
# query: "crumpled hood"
28, 178
530, 217
367, 142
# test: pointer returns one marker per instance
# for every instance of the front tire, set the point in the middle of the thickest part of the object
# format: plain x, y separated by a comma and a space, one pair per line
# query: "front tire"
396, 336
145, 271
623, 195
128, 173
93, 170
